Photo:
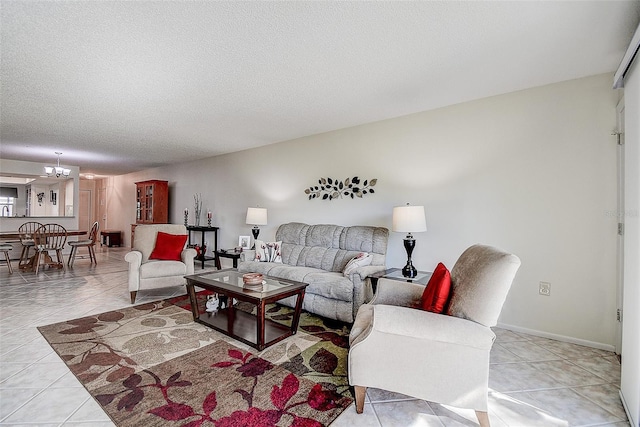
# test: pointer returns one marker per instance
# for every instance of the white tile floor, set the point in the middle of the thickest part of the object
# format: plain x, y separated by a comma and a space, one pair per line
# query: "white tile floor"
533, 381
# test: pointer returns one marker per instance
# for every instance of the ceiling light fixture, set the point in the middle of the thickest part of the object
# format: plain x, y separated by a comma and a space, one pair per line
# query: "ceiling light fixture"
58, 171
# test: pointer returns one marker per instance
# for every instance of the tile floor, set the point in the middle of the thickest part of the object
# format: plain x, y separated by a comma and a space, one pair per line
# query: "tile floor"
533, 381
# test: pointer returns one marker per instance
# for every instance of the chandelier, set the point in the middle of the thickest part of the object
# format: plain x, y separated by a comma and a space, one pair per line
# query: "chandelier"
58, 171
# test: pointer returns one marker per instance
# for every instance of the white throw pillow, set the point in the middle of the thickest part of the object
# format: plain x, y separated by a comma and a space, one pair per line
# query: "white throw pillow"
360, 260
268, 251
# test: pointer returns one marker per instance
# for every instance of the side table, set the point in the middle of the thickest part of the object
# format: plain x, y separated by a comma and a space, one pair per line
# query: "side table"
110, 237
230, 253
205, 229
396, 274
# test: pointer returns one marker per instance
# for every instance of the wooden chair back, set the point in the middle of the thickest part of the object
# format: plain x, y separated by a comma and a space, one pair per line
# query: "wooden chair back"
27, 232
51, 237
93, 233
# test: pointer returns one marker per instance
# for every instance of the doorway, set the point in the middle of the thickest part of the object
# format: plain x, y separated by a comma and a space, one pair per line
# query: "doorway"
85, 214
619, 134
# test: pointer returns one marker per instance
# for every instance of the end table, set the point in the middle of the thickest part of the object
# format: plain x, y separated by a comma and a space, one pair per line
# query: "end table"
203, 230
230, 253
396, 274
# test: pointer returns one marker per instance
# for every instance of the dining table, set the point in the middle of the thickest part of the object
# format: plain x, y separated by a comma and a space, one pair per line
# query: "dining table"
9, 235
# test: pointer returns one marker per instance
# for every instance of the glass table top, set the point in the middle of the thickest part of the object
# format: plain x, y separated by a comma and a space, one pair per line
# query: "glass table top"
234, 279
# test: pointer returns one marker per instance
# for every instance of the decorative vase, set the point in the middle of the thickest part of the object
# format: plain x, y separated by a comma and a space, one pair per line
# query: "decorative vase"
197, 201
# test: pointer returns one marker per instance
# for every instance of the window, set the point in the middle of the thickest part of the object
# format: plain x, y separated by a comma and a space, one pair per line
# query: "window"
6, 205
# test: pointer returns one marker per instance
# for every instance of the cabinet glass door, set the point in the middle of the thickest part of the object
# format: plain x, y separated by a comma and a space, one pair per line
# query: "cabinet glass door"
148, 199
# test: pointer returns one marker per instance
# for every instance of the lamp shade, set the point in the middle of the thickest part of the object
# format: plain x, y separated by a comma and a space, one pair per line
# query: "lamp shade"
256, 216
409, 219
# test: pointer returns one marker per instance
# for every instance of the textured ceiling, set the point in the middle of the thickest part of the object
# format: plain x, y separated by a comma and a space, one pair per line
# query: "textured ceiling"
124, 86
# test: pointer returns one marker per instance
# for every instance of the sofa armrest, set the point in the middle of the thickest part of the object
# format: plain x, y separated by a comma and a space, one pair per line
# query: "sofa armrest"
397, 292
362, 289
248, 255
366, 271
424, 325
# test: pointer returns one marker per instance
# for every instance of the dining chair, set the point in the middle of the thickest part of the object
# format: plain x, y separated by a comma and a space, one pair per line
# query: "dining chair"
50, 237
86, 243
5, 248
26, 233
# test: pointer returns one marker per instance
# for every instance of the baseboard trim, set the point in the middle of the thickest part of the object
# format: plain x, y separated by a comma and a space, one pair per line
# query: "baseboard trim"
626, 409
557, 337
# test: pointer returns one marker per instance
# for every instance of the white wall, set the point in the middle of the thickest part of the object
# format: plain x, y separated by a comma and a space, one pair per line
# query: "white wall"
630, 384
532, 172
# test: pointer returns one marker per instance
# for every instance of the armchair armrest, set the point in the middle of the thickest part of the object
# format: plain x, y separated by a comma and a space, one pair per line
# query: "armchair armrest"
399, 293
187, 255
134, 258
424, 325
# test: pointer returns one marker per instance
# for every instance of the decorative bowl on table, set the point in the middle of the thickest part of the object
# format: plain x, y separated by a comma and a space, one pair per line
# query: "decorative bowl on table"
252, 280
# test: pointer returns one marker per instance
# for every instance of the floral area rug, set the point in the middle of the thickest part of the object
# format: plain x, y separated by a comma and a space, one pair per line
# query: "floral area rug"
151, 365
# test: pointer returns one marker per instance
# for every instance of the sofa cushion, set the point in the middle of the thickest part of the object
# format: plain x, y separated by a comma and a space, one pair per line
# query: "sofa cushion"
330, 247
327, 284
168, 246
153, 269
330, 285
436, 294
256, 267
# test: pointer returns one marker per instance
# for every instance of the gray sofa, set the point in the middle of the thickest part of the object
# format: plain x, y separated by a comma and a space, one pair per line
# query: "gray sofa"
317, 255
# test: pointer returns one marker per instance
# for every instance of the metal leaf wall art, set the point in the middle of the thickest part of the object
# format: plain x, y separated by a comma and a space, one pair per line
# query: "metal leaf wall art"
329, 189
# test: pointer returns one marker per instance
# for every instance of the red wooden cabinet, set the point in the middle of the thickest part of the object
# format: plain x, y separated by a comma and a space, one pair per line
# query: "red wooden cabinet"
152, 202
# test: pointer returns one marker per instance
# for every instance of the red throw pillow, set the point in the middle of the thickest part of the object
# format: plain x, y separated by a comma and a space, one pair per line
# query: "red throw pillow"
168, 246
436, 294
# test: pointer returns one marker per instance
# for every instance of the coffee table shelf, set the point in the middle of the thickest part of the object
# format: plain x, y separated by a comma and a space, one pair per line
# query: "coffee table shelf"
242, 326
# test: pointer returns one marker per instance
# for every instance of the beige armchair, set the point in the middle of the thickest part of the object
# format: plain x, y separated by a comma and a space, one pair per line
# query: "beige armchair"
150, 274
441, 358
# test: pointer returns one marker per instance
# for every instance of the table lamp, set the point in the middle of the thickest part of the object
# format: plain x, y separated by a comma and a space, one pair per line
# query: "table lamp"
409, 219
256, 216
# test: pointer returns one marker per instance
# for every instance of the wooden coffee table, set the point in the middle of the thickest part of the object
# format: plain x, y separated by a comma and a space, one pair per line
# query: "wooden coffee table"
254, 330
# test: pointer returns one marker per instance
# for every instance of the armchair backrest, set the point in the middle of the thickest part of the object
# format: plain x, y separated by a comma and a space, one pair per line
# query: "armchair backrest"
480, 281
145, 236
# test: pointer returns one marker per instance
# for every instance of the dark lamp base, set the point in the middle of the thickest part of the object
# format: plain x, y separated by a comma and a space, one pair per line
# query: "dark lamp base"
256, 232
409, 271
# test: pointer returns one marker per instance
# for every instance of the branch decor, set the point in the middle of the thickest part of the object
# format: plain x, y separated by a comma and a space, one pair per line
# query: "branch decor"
197, 207
329, 189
